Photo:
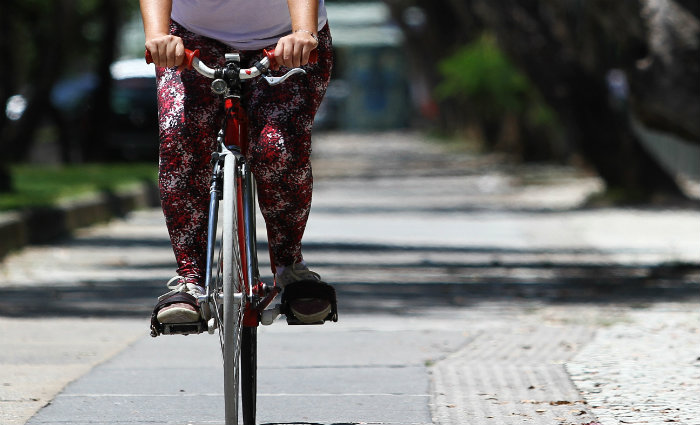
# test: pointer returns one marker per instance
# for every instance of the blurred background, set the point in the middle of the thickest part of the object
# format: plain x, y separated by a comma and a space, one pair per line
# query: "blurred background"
612, 88
462, 156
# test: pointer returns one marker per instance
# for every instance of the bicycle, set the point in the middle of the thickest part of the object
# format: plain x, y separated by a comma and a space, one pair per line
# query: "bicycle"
236, 300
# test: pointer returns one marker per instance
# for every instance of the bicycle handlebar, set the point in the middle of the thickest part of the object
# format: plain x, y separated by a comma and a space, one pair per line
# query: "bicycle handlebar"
192, 62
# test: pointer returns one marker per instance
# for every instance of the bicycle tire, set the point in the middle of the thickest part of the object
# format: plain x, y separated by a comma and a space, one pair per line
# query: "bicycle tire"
249, 359
231, 284
240, 274
249, 351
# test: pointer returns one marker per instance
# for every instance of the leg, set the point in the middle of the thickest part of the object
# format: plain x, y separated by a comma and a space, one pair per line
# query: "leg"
188, 118
281, 118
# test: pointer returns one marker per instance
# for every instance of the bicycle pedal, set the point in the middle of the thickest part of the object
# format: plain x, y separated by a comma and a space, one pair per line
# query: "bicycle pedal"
309, 289
291, 320
183, 328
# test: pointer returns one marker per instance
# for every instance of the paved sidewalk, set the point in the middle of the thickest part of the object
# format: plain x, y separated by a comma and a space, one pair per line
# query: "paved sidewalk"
470, 292
645, 369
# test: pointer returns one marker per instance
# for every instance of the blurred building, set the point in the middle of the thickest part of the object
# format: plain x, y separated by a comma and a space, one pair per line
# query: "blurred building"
369, 88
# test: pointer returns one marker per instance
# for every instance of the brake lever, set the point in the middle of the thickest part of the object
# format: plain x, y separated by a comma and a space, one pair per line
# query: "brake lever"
273, 81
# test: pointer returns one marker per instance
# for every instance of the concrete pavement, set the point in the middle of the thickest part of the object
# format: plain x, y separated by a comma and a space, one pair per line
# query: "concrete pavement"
471, 292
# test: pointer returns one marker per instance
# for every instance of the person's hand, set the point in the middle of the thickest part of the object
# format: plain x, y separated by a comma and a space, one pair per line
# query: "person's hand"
293, 50
166, 50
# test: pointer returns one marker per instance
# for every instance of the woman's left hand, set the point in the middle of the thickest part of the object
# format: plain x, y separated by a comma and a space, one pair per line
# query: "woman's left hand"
293, 50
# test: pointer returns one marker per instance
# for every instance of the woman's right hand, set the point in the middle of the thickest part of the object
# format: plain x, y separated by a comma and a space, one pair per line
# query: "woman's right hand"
166, 50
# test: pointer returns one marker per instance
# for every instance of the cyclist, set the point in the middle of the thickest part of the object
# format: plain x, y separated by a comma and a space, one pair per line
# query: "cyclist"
280, 121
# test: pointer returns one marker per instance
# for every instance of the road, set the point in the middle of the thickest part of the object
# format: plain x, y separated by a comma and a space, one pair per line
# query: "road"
471, 291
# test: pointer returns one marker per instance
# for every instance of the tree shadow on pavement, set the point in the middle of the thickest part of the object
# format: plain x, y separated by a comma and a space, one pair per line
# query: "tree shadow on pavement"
384, 288
310, 423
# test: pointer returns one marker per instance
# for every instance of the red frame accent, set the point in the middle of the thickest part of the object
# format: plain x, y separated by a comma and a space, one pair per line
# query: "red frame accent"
236, 134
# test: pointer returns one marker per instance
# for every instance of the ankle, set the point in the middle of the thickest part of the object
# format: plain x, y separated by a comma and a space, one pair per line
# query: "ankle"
280, 269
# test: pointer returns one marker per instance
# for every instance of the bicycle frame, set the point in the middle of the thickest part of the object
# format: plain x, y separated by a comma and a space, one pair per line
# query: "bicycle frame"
232, 144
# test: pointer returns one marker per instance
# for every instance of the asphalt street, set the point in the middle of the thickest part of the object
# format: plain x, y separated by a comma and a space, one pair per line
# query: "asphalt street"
471, 291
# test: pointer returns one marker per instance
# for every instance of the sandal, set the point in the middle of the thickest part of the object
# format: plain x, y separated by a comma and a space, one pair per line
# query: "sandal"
179, 306
308, 302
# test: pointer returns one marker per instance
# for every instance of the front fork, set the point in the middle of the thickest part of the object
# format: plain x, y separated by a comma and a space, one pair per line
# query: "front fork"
257, 294
211, 299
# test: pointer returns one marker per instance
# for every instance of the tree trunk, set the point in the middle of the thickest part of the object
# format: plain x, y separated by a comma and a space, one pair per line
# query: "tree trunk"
7, 87
93, 141
17, 137
665, 82
568, 48
566, 54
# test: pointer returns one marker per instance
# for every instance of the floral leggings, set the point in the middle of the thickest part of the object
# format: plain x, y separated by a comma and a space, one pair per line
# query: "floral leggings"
280, 121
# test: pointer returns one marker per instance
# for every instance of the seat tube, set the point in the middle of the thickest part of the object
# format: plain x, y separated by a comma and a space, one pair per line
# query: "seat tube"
235, 140
248, 245
241, 224
246, 213
249, 217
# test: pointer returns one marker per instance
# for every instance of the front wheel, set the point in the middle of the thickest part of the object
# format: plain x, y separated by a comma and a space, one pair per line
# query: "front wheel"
247, 242
232, 295
240, 273
249, 355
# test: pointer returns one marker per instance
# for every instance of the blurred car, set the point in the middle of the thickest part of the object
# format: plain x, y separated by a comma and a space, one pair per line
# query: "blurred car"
132, 131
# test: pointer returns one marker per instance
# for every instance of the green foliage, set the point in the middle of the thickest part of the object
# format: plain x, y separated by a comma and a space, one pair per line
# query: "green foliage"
37, 186
487, 92
481, 74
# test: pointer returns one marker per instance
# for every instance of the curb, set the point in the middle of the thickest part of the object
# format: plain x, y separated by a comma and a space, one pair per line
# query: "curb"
40, 225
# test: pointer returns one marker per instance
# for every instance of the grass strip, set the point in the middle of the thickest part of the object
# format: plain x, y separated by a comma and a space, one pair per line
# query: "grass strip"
42, 186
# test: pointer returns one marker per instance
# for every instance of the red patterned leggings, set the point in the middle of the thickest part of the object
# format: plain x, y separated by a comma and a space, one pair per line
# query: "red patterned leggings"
280, 121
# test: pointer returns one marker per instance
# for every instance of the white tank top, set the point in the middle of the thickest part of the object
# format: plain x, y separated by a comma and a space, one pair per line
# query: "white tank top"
242, 24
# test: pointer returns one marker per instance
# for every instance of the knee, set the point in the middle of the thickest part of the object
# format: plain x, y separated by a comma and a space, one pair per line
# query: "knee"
279, 151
